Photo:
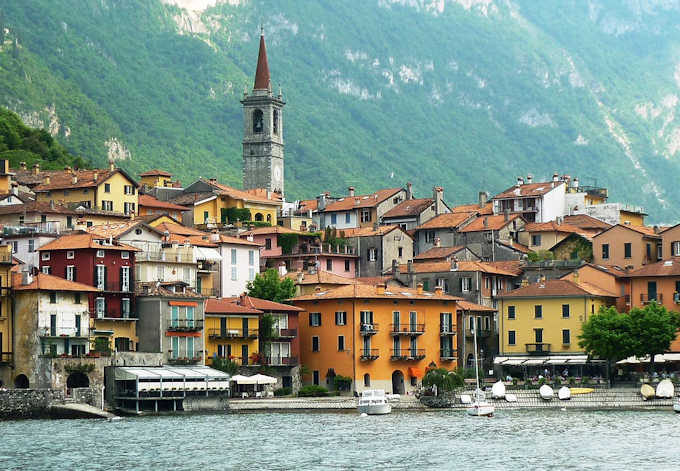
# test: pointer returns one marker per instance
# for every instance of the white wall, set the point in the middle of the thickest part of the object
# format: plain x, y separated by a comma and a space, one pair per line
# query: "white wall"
22, 253
66, 311
341, 219
245, 271
553, 204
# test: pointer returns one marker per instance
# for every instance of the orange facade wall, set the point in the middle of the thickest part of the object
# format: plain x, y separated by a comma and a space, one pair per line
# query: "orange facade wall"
616, 238
665, 288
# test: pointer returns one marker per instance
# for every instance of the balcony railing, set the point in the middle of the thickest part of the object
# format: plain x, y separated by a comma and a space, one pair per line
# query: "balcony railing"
207, 267
176, 360
115, 315
64, 332
407, 329
369, 354
448, 355
537, 348
368, 329
481, 333
114, 287
281, 361
232, 334
408, 354
646, 299
168, 257
284, 333
185, 325
5, 358
447, 329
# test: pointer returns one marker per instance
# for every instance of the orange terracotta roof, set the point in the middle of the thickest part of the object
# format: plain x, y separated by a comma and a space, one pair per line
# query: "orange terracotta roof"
151, 202
612, 270
199, 241
118, 229
515, 245
179, 229
362, 201
181, 234
668, 267
263, 304
262, 72
584, 221
45, 282
409, 208
438, 253
374, 280
237, 240
45, 207
465, 266
510, 266
192, 198
448, 220
227, 306
265, 194
154, 288
528, 189
474, 208
468, 306
319, 278
84, 179
155, 173
551, 226
558, 288
84, 240
493, 223
370, 231
371, 292
273, 230
645, 231
240, 194
306, 205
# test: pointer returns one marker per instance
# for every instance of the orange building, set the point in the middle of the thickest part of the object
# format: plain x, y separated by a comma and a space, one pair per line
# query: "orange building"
609, 278
150, 205
381, 337
658, 282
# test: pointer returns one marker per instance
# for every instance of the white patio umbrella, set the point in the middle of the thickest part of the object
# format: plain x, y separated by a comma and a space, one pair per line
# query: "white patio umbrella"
240, 379
263, 379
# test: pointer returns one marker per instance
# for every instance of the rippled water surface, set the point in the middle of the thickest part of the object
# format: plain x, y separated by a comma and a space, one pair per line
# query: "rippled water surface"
416, 440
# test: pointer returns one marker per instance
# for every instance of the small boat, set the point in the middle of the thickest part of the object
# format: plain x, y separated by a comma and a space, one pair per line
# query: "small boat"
546, 392
576, 391
498, 390
676, 406
465, 399
564, 394
647, 392
479, 408
665, 389
374, 402
511, 397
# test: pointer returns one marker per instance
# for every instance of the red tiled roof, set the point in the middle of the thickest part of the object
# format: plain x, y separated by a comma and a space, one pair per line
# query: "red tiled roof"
262, 72
115, 230
84, 179
409, 208
669, 267
528, 189
474, 208
362, 201
306, 205
645, 231
370, 231
551, 226
151, 202
441, 267
448, 220
584, 221
515, 245
263, 304
84, 241
371, 292
273, 230
42, 281
155, 173
493, 223
240, 194
558, 288
227, 306
438, 252
468, 306
320, 278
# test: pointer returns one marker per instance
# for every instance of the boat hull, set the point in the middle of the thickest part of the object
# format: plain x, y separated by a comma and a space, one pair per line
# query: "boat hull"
676, 407
481, 410
375, 409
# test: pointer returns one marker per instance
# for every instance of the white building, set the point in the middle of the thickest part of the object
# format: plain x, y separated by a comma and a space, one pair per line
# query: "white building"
536, 202
240, 263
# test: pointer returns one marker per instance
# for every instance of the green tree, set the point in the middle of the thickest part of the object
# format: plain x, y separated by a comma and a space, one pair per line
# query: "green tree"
444, 379
653, 328
226, 365
269, 286
607, 335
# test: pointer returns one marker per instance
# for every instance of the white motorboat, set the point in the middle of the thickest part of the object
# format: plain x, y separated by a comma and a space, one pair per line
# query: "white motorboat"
564, 393
647, 392
374, 402
498, 390
676, 406
479, 408
546, 392
665, 389
511, 397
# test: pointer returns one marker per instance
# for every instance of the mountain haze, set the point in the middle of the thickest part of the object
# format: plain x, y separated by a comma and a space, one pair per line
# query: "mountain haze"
461, 93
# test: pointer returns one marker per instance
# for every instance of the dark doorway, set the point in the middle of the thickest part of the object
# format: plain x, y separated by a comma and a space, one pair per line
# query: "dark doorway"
21, 382
398, 382
77, 379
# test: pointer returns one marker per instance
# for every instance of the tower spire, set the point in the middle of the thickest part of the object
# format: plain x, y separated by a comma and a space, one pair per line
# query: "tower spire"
262, 72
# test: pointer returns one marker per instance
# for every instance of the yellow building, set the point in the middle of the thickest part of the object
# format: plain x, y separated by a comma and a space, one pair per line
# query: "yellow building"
231, 331
111, 190
540, 324
6, 327
212, 200
5, 177
156, 178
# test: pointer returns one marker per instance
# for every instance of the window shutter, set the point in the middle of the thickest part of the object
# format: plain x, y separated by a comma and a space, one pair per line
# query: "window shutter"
96, 269
121, 278
105, 270
66, 273
311, 316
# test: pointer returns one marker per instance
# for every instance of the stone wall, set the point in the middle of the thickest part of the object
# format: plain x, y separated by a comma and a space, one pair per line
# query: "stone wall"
27, 403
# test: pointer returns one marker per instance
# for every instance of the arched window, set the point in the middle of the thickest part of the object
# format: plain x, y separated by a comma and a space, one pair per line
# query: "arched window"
258, 121
269, 218
21, 382
258, 217
276, 121
367, 380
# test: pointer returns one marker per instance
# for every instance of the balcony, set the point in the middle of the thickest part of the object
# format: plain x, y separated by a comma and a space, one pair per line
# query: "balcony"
407, 329
646, 299
280, 361
111, 287
407, 354
446, 330
116, 316
207, 267
184, 325
184, 360
284, 333
481, 333
63, 332
5, 358
369, 354
163, 256
368, 329
221, 334
448, 355
537, 348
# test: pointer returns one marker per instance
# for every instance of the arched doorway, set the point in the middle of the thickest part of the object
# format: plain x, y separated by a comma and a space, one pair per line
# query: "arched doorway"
367, 380
77, 379
398, 382
259, 217
21, 382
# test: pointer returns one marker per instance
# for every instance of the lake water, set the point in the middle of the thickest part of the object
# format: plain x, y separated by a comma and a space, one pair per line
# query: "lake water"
523, 440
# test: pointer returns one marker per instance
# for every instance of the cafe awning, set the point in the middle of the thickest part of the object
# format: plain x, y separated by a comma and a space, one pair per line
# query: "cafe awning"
660, 358
415, 372
263, 379
206, 253
240, 379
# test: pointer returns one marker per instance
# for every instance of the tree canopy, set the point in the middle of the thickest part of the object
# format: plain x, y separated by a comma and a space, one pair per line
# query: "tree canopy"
444, 379
269, 286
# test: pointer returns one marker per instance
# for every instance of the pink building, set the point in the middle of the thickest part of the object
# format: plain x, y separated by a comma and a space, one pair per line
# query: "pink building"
301, 251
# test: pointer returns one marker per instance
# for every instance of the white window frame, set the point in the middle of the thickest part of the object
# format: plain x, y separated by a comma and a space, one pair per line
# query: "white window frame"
675, 249
45, 256
100, 254
317, 315
342, 318
365, 215
70, 254
125, 254
100, 269
251, 274
70, 272
125, 302
234, 273
125, 282
100, 307
234, 256
251, 258
466, 284
46, 269
372, 254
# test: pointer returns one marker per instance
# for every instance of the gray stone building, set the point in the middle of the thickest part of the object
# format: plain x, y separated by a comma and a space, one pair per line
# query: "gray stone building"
379, 248
412, 212
171, 320
446, 254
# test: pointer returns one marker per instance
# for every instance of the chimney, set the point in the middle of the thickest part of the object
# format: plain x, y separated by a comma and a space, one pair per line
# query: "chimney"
67, 169
51, 204
380, 288
530, 178
486, 222
282, 269
317, 289
26, 277
351, 191
575, 182
520, 181
214, 237
437, 242
438, 200
74, 179
15, 189
36, 169
419, 288
376, 226
321, 201
95, 176
409, 266
656, 229
559, 220
300, 277
213, 180
395, 268
525, 283
409, 191
46, 181
112, 165
438, 290
22, 165
483, 197
556, 177
454, 264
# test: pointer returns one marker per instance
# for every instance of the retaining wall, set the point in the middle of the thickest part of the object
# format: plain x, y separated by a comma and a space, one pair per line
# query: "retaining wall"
313, 403
27, 403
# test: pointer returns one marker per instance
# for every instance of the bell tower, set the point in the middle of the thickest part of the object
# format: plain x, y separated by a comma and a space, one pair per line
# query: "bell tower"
263, 131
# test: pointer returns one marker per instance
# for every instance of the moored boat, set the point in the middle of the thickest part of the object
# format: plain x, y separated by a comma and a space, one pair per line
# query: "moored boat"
479, 408
546, 392
676, 406
374, 402
564, 394
511, 397
665, 389
647, 392
498, 390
